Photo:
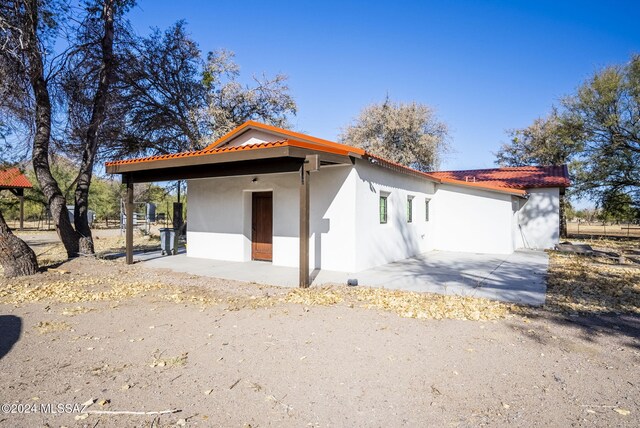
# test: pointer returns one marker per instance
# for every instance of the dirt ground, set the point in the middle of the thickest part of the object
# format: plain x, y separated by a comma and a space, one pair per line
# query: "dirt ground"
224, 353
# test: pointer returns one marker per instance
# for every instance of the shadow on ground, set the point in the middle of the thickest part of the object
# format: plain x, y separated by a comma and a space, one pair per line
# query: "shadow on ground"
590, 325
594, 297
10, 330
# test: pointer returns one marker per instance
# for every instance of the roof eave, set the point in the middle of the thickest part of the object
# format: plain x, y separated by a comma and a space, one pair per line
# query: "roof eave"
17, 186
479, 186
377, 160
291, 150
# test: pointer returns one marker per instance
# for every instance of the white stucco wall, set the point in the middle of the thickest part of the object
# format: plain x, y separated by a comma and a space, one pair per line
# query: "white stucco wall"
252, 136
345, 230
219, 218
377, 243
332, 219
472, 220
537, 222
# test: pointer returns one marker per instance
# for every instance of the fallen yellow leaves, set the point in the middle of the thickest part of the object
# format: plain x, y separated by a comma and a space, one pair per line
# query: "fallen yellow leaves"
90, 288
575, 284
405, 303
433, 306
578, 284
323, 296
72, 290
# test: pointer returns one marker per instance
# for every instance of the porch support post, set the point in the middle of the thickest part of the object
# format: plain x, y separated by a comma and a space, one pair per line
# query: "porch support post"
129, 226
311, 163
304, 227
20, 193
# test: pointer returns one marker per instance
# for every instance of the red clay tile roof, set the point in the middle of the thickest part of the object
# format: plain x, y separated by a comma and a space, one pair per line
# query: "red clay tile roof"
12, 178
525, 177
432, 176
339, 149
196, 153
505, 180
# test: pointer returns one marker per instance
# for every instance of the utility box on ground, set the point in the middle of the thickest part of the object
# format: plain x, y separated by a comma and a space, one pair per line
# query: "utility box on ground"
168, 242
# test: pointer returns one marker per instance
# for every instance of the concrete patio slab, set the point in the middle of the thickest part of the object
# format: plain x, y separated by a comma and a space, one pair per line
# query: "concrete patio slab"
518, 278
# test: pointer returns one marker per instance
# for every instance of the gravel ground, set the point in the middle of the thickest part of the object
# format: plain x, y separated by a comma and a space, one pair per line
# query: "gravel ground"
251, 363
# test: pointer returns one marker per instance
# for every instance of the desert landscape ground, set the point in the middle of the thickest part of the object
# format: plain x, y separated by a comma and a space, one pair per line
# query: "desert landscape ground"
197, 351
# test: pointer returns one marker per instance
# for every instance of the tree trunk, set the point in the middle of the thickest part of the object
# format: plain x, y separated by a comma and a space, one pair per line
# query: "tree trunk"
40, 156
107, 66
563, 217
16, 257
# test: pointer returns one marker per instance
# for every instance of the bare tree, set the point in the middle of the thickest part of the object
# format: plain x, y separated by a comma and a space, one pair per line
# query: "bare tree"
30, 30
409, 134
87, 83
115, 94
27, 31
230, 104
177, 101
162, 91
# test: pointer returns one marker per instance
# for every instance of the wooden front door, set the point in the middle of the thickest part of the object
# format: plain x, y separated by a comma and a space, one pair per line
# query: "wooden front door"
262, 226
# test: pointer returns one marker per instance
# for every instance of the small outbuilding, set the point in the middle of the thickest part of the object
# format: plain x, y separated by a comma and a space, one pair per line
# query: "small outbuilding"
265, 193
13, 180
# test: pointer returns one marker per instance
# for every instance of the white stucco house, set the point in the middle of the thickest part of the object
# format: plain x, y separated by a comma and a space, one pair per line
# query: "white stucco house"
265, 193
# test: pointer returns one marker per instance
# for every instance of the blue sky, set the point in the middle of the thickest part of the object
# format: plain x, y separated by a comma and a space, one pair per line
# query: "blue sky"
484, 66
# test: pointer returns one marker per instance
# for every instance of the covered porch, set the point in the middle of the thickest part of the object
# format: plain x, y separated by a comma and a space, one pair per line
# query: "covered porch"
279, 157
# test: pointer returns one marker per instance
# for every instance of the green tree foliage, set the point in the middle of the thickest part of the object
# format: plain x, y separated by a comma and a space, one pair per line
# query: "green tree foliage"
618, 206
596, 131
409, 134
552, 140
607, 109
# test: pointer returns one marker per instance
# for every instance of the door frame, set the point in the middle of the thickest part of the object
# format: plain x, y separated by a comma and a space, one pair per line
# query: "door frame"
254, 221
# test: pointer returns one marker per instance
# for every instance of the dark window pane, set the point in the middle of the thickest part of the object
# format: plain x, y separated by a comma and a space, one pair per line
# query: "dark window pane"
383, 209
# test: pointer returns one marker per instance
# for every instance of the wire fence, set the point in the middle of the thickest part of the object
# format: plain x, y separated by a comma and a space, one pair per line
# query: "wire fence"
584, 228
